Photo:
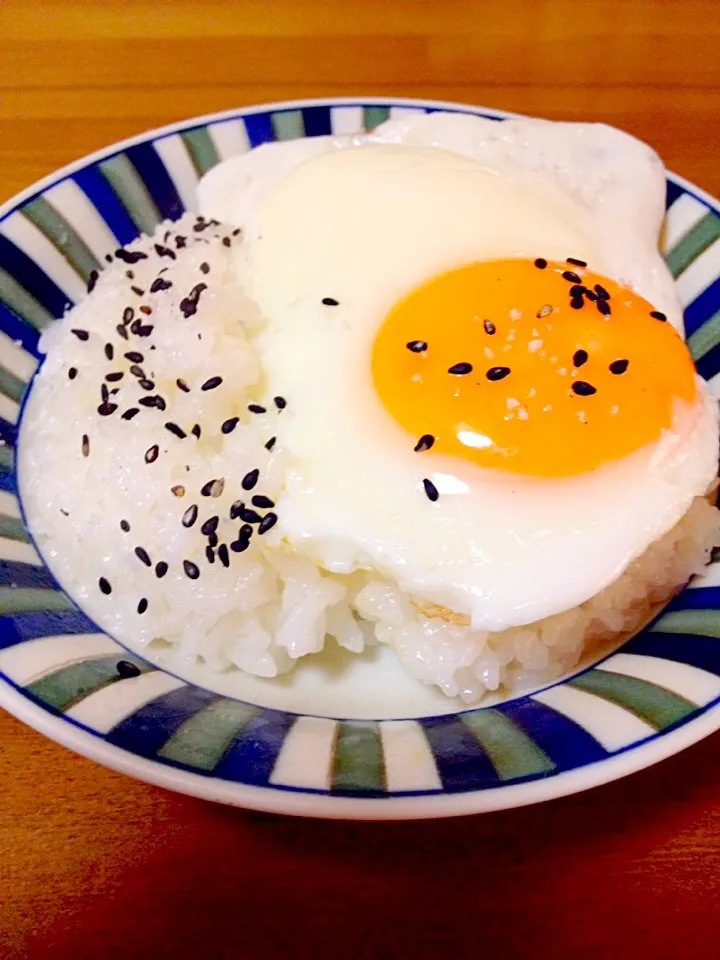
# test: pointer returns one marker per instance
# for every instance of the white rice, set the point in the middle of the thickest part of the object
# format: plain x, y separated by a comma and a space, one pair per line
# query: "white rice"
270, 606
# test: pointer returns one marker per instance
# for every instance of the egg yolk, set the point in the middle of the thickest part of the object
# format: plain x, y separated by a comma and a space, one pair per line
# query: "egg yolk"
535, 367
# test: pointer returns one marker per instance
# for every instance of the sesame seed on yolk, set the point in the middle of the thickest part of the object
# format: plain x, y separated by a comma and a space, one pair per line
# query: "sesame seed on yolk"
532, 420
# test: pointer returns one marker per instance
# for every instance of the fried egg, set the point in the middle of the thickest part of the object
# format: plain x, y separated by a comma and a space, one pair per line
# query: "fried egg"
488, 398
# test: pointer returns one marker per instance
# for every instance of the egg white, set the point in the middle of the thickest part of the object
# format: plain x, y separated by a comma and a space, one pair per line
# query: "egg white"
366, 225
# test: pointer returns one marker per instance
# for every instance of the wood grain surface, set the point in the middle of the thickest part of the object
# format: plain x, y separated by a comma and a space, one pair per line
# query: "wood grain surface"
93, 864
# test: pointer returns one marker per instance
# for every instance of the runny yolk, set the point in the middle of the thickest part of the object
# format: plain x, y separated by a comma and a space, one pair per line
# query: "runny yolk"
543, 369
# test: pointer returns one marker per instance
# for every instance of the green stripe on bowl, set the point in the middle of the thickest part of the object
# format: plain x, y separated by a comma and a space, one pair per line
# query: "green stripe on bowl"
12, 529
201, 149
657, 706
130, 188
512, 752
704, 623
22, 303
203, 739
10, 385
33, 600
288, 125
697, 239
705, 337
358, 762
374, 116
64, 688
67, 240
7, 459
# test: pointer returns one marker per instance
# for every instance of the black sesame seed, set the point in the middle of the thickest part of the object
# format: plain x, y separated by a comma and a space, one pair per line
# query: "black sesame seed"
460, 369
143, 555
188, 307
164, 251
114, 377
210, 526
239, 545
424, 443
604, 307
134, 357
160, 284
601, 291
271, 443
591, 295
580, 357
212, 383
128, 256
210, 554
618, 366
196, 431
250, 479
431, 490
190, 516
105, 409
147, 384
92, 280
229, 425
577, 303
125, 669
280, 402
72, 373
267, 523
417, 346
226, 241
130, 413
497, 373
109, 257
81, 334
104, 586
489, 327
85, 445
138, 291
191, 570
122, 332
541, 263
152, 453
583, 389
263, 502
142, 606
213, 488
205, 268
256, 408
577, 290
658, 315
128, 314
196, 291
212, 539
571, 277
109, 351
180, 242
223, 555
125, 526
145, 330
175, 430
104, 393
577, 263
182, 385
249, 516
330, 302
235, 509
161, 569
246, 531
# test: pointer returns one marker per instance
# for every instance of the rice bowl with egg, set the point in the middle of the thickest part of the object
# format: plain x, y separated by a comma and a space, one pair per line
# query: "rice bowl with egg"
152, 498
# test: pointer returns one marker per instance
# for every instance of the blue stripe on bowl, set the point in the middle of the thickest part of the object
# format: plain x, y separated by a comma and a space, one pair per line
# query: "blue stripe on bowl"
699, 598
707, 365
673, 191
25, 575
160, 186
251, 756
149, 728
461, 761
702, 308
259, 128
30, 626
29, 275
18, 329
690, 648
8, 433
107, 203
7, 481
565, 742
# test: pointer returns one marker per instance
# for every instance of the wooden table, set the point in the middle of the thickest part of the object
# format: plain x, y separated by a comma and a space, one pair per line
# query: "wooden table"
93, 864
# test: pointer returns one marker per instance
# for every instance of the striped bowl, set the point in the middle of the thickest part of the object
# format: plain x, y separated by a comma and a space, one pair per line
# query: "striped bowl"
60, 674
